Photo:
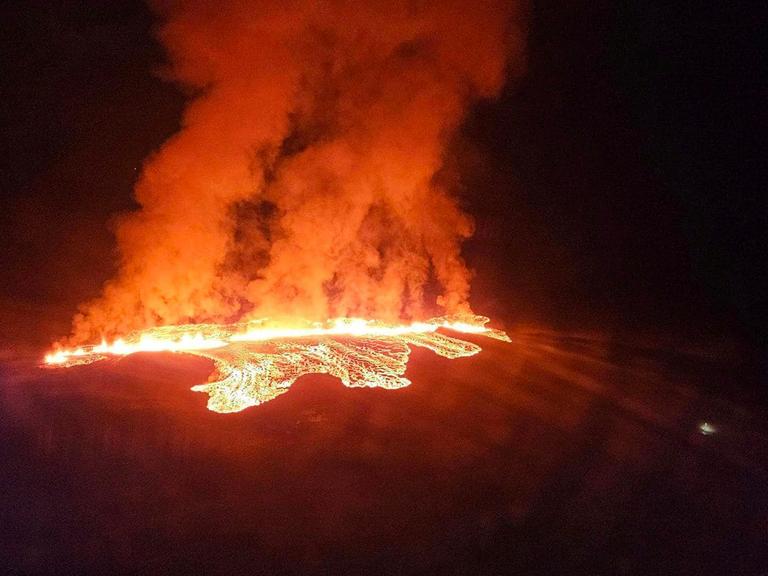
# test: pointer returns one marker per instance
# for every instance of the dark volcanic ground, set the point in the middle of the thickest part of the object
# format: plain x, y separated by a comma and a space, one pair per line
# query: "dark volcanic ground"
556, 454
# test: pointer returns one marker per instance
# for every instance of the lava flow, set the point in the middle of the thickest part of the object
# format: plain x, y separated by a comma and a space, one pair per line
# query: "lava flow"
256, 362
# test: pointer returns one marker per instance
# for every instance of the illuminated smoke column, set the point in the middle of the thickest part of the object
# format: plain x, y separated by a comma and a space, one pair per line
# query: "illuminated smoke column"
306, 179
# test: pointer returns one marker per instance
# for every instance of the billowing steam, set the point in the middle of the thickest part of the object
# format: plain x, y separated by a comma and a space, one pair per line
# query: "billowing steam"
305, 179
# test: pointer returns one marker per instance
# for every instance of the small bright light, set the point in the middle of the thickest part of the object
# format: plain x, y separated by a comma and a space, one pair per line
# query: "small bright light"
707, 429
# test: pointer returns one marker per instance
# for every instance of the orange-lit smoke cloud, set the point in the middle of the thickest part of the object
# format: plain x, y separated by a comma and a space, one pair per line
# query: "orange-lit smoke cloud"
303, 180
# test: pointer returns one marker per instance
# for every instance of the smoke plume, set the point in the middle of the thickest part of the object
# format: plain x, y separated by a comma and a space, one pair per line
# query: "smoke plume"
305, 179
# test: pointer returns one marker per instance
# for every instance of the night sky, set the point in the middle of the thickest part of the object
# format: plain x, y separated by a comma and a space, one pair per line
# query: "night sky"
617, 185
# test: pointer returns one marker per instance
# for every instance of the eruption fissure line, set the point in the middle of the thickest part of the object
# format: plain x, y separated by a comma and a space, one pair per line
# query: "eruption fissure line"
193, 337
359, 352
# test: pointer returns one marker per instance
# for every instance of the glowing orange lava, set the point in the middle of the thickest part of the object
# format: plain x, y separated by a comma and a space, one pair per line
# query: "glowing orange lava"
256, 362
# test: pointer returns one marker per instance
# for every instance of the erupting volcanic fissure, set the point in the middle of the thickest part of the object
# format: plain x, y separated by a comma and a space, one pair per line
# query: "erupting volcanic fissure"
256, 362
309, 179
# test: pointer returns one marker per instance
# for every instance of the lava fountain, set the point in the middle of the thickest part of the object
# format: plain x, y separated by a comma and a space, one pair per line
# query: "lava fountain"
256, 362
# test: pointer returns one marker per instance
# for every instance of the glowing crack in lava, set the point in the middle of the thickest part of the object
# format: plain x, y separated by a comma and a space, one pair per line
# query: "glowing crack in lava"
256, 362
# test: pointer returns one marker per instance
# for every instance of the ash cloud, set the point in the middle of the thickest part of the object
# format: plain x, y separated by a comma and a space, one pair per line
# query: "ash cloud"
303, 182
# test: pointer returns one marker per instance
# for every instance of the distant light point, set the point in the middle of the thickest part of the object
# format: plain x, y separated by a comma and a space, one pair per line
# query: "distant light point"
707, 428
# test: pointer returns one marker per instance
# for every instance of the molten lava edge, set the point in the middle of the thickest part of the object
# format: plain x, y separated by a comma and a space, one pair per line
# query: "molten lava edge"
256, 362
